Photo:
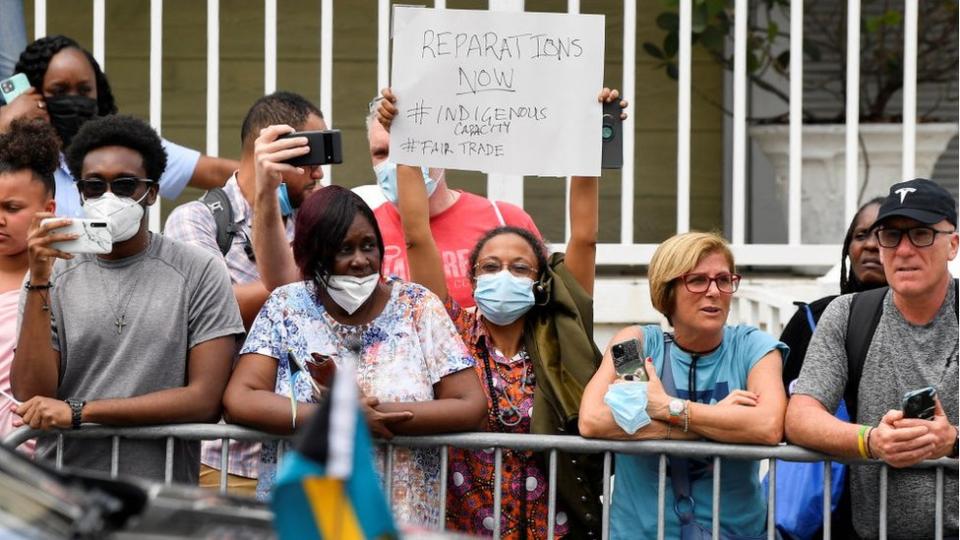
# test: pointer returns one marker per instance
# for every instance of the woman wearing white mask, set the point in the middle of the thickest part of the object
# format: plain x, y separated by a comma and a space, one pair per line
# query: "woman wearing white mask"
412, 366
532, 337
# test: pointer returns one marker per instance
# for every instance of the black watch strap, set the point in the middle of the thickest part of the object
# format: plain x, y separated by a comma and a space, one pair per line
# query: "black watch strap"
956, 446
76, 411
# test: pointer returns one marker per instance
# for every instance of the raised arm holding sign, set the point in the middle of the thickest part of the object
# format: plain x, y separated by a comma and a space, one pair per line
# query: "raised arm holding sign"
498, 92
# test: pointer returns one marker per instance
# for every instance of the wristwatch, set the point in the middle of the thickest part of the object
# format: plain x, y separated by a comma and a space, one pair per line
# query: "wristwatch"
675, 408
955, 453
76, 411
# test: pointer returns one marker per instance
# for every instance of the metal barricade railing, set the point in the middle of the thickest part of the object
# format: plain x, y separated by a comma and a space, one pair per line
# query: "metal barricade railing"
549, 444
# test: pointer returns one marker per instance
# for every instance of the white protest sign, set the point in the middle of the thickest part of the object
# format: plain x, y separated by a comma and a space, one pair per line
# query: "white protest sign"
512, 93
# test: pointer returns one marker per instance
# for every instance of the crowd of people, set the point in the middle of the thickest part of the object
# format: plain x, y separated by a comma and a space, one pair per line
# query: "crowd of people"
456, 317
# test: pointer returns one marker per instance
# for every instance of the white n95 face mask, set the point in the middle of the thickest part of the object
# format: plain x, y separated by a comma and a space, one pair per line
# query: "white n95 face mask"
122, 213
350, 292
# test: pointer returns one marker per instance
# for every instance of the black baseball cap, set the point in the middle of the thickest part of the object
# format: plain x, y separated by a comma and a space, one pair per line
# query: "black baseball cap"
919, 199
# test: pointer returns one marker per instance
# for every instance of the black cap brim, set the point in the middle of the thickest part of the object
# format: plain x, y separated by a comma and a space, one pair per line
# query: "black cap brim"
923, 216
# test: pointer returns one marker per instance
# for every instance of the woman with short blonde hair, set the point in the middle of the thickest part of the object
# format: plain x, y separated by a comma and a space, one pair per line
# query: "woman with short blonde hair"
706, 380
676, 256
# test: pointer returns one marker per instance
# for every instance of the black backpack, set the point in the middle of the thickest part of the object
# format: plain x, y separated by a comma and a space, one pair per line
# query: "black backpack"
865, 311
218, 203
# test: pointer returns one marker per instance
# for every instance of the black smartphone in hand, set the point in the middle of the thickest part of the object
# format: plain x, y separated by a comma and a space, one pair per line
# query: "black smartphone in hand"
919, 403
325, 148
611, 133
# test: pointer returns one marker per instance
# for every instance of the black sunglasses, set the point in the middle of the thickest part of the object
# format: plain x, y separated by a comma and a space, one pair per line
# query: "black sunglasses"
126, 186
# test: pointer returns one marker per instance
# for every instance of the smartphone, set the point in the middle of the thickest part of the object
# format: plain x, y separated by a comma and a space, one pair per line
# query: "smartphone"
919, 403
325, 147
627, 359
612, 136
94, 236
322, 368
13, 86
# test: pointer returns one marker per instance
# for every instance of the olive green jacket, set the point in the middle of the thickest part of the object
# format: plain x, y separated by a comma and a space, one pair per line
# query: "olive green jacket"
559, 338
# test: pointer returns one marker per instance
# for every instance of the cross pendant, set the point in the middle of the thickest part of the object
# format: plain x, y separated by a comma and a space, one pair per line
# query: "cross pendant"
120, 324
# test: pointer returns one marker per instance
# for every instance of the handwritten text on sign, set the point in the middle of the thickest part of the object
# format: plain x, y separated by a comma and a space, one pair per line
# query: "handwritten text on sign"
512, 93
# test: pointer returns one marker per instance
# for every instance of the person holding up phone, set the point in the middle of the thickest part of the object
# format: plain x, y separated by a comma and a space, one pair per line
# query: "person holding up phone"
29, 153
142, 335
532, 336
68, 89
913, 346
207, 222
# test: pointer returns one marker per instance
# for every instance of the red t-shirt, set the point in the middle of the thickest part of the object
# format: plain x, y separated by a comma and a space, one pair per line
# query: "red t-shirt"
455, 230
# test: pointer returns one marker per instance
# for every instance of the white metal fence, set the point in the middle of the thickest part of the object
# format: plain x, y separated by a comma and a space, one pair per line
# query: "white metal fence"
626, 251
550, 445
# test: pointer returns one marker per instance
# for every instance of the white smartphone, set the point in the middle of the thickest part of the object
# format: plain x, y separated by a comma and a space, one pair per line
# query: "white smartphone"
94, 236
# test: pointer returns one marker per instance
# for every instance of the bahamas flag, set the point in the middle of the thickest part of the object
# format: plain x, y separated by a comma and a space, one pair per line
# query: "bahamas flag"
327, 487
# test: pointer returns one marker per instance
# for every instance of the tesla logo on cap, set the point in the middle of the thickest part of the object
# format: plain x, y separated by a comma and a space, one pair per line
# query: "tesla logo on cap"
903, 192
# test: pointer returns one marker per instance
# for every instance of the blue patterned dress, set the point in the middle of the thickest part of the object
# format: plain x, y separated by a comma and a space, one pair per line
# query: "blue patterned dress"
406, 350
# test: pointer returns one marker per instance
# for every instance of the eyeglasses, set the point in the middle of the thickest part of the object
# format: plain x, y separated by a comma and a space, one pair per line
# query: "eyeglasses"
700, 283
919, 236
125, 186
492, 266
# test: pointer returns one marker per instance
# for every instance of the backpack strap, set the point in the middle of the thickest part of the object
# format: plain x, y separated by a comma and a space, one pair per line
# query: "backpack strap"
865, 311
217, 201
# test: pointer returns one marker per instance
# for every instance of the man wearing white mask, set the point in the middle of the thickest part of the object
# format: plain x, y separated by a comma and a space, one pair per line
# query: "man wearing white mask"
142, 335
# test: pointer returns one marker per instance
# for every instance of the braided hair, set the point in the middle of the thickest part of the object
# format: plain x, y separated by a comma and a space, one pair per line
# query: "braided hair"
848, 279
31, 145
35, 59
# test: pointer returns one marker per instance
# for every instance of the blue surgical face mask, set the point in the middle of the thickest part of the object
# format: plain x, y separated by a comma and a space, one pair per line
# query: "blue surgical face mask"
503, 297
285, 207
628, 403
387, 180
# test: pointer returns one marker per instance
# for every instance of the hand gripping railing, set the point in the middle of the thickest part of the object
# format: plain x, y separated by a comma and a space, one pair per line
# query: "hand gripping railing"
550, 444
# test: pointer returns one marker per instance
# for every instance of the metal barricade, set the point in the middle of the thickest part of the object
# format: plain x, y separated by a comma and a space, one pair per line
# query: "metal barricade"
549, 444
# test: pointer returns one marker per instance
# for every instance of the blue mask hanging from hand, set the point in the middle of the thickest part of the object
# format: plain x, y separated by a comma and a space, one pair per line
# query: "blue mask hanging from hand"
285, 207
503, 297
386, 172
628, 403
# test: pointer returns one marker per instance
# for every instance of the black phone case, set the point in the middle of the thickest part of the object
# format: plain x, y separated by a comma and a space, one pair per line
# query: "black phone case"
919, 406
325, 148
612, 136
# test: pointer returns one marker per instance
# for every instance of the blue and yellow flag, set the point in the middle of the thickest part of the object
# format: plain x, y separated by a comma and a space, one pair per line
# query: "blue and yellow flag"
327, 487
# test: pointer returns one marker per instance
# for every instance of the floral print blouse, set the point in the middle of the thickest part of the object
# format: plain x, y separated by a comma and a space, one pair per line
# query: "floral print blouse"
406, 349
508, 384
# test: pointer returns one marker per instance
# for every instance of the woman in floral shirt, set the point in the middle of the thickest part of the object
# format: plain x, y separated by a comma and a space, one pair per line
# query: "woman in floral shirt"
509, 269
413, 369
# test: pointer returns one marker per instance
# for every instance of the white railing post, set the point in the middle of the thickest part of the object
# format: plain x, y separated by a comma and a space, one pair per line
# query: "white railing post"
383, 44
269, 46
39, 19
629, 73
99, 33
683, 117
909, 89
213, 78
796, 123
852, 180
326, 72
739, 188
156, 86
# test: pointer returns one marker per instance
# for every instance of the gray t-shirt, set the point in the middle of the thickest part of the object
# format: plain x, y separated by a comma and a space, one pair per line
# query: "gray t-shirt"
901, 357
172, 297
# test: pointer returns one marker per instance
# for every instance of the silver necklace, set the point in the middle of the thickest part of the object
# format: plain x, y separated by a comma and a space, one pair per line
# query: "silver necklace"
120, 320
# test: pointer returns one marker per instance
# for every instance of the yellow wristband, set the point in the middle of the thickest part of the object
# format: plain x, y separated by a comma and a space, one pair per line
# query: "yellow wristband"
861, 444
